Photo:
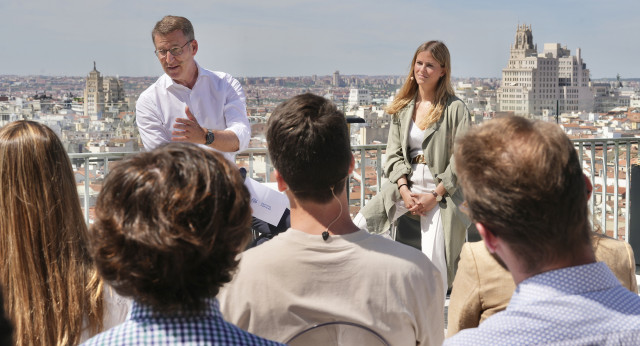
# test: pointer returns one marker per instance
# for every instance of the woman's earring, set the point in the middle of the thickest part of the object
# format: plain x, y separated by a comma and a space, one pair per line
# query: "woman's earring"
411, 78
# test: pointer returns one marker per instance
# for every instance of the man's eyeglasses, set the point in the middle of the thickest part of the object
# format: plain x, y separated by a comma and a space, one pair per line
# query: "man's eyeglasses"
175, 51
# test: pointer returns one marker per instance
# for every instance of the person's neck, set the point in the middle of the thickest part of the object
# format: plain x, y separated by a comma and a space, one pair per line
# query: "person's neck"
316, 218
192, 81
424, 94
582, 256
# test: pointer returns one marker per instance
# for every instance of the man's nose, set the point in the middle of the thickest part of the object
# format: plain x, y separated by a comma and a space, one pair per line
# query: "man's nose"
169, 58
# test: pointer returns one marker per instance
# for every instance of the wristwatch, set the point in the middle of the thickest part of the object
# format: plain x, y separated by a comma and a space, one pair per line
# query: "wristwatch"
436, 195
209, 137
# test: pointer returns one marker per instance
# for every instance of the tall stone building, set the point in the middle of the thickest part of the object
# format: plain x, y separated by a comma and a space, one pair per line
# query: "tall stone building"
102, 94
546, 83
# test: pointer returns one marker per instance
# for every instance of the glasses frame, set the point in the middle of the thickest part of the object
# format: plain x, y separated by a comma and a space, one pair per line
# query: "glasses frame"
179, 50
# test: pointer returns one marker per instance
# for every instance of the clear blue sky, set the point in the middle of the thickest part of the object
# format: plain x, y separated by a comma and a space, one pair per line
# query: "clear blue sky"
293, 38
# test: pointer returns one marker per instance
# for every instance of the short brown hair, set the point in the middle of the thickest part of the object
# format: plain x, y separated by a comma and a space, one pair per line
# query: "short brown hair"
522, 180
169, 24
308, 143
169, 224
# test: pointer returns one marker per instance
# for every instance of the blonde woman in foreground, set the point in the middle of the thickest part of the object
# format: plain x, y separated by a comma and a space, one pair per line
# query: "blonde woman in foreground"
52, 292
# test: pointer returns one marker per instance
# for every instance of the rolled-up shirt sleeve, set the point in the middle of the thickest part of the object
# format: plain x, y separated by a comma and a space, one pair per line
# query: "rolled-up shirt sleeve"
235, 114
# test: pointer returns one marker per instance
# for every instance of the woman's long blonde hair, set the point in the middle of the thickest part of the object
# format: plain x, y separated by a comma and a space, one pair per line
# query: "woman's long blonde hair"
444, 90
51, 287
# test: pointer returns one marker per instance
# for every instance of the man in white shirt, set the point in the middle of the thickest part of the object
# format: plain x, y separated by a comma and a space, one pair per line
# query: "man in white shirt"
324, 268
189, 103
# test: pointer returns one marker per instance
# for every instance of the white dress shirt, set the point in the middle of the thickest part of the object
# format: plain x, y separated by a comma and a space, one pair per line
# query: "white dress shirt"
217, 101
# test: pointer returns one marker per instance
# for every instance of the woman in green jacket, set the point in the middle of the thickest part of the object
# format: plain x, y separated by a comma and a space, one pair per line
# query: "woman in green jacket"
426, 119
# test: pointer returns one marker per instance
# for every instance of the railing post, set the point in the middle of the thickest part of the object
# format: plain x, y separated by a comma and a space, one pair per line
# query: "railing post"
603, 205
86, 189
634, 212
615, 188
628, 192
363, 161
593, 181
379, 168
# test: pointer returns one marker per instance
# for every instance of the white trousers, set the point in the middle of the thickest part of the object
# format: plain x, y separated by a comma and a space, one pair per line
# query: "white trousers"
430, 224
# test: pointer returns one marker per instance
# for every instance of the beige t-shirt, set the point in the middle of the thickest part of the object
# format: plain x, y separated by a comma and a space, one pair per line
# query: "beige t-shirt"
297, 280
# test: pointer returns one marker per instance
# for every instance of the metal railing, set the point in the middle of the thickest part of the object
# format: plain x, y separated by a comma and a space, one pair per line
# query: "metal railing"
367, 178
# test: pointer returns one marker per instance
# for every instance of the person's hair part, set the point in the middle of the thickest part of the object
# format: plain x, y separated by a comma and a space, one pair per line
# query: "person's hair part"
522, 180
169, 24
50, 284
308, 143
169, 224
444, 90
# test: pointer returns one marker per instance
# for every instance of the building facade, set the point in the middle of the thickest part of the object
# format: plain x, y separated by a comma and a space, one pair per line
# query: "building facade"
547, 83
101, 94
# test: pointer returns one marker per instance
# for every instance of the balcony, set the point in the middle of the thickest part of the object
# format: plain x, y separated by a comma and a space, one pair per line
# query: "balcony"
608, 162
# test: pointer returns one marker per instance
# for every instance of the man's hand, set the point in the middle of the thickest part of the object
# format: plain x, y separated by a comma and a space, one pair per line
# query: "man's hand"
190, 130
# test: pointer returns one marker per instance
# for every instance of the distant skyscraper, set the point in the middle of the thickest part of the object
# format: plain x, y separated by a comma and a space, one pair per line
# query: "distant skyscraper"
94, 94
336, 79
536, 83
101, 93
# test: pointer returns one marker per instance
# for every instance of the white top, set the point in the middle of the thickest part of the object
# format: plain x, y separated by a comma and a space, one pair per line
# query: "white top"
297, 280
416, 137
217, 101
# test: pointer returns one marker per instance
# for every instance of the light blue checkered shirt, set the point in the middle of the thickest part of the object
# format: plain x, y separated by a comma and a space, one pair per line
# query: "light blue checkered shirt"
581, 305
207, 327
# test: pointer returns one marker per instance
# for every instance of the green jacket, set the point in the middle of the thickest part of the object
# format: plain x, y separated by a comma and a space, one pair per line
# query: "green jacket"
438, 151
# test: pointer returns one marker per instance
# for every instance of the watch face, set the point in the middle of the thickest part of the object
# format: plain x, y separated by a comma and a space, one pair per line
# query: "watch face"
210, 137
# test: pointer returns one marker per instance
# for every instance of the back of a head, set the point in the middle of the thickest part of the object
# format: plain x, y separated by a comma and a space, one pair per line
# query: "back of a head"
309, 145
43, 239
522, 180
169, 224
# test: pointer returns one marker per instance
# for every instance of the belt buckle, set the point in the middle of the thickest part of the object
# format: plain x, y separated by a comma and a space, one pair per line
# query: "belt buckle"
419, 159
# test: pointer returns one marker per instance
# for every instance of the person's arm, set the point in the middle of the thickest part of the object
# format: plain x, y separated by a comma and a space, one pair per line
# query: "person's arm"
462, 118
465, 307
395, 166
150, 125
235, 114
234, 138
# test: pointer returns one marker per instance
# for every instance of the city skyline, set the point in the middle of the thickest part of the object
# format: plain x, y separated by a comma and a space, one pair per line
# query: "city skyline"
295, 38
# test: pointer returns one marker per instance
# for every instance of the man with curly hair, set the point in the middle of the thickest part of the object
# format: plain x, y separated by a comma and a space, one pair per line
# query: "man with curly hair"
169, 224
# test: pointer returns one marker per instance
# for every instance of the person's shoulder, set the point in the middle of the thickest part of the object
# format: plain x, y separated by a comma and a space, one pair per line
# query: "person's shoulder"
235, 335
217, 75
454, 103
117, 335
152, 90
395, 254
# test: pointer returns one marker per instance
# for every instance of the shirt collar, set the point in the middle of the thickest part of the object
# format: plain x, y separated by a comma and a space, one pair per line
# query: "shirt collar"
566, 281
210, 308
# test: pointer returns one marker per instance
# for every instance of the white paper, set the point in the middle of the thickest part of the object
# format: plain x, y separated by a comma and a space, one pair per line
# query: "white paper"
267, 203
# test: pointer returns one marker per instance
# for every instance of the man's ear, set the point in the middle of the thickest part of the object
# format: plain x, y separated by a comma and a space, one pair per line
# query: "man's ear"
490, 240
282, 186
